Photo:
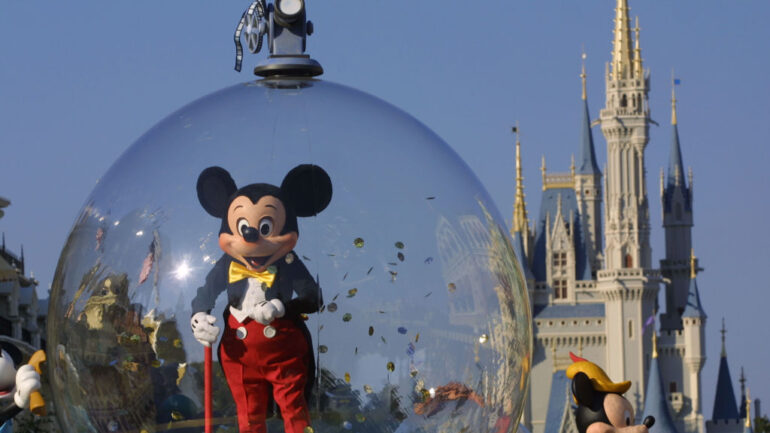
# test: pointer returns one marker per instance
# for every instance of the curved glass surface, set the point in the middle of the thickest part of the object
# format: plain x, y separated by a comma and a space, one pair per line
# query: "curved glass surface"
425, 324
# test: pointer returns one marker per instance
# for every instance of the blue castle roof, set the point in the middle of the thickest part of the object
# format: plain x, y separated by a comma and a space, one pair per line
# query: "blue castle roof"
724, 400
561, 311
587, 162
693, 307
675, 167
557, 401
655, 403
548, 208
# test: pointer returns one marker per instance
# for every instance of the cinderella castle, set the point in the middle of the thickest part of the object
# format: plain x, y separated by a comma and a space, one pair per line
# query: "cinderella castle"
591, 278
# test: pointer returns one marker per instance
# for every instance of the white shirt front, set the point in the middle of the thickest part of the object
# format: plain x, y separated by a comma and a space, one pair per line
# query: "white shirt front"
253, 298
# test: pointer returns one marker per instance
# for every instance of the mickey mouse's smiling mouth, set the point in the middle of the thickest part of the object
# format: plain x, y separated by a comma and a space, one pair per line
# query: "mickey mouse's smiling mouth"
257, 262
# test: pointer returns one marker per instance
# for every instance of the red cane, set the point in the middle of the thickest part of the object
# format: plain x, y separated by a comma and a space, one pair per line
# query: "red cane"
207, 388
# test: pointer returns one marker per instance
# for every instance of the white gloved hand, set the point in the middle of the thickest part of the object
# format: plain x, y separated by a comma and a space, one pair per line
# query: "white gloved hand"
203, 328
27, 381
268, 311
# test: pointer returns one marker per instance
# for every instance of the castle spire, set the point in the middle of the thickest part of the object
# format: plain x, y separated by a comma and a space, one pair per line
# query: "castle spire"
655, 402
637, 50
724, 399
587, 155
520, 222
744, 405
621, 44
675, 166
747, 426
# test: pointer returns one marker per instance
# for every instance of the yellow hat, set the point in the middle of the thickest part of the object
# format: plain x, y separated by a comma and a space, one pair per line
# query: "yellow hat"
598, 377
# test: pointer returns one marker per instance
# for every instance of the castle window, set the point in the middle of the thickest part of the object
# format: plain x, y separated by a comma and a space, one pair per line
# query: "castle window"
560, 259
629, 261
672, 387
560, 289
623, 101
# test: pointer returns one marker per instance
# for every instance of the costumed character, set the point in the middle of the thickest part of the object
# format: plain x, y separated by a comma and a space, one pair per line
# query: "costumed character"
265, 349
16, 386
601, 407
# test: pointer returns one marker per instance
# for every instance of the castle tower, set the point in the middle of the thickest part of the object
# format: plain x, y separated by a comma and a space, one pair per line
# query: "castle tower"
694, 323
655, 402
676, 198
588, 185
724, 400
628, 283
522, 238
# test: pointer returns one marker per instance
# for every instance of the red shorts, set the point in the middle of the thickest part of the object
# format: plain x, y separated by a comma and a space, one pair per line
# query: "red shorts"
254, 363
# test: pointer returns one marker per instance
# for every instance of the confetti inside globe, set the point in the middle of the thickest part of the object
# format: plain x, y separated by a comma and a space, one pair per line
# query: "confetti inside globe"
141, 248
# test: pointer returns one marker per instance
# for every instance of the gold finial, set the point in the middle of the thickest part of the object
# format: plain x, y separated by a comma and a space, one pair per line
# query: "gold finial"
662, 187
621, 45
654, 343
693, 264
520, 222
748, 407
673, 98
723, 331
637, 51
583, 74
542, 169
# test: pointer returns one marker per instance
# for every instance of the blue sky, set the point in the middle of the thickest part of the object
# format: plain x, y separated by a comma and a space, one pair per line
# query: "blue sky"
80, 82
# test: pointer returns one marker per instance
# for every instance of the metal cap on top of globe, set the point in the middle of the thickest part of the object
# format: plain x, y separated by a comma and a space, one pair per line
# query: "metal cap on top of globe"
340, 259
287, 28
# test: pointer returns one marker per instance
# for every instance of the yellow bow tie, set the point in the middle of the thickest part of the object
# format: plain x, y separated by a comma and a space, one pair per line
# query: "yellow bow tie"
237, 272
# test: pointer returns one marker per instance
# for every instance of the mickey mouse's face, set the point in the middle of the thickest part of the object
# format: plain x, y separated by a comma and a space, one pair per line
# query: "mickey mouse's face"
620, 414
259, 221
256, 235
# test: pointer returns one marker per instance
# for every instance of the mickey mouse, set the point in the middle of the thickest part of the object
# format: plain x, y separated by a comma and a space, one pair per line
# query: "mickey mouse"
15, 386
266, 344
601, 407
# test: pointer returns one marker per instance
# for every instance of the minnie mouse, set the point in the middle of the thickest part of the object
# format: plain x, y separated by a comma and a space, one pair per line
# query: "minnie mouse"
266, 345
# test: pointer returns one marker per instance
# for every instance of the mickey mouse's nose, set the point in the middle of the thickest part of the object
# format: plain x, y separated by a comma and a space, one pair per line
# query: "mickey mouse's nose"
649, 421
250, 234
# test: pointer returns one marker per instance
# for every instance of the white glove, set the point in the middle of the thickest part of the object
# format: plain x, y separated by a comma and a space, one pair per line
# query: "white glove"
267, 311
27, 381
203, 328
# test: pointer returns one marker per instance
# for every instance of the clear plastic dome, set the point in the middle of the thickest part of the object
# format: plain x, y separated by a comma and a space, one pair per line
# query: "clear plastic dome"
425, 324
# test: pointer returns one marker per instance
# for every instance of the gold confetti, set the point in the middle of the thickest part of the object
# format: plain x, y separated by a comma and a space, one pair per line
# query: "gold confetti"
272, 269
355, 352
368, 389
155, 363
352, 292
413, 373
391, 366
483, 338
417, 337
400, 256
308, 429
347, 317
180, 371
400, 245
176, 415
383, 339
306, 258
178, 343
371, 331
358, 242
360, 417
323, 349
370, 270
452, 287
331, 307
347, 377
344, 276
335, 297
425, 394
393, 275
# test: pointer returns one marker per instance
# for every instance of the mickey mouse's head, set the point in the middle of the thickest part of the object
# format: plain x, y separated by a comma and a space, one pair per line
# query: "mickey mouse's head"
601, 407
259, 221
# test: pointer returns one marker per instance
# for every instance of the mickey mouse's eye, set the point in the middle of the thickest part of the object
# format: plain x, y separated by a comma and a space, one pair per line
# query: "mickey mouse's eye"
242, 224
266, 226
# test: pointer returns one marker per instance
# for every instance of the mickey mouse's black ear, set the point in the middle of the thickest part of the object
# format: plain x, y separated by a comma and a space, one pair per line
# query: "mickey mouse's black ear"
13, 351
308, 189
582, 389
215, 186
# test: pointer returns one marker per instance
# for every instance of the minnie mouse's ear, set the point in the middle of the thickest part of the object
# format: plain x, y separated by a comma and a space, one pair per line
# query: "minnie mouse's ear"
13, 351
308, 189
215, 186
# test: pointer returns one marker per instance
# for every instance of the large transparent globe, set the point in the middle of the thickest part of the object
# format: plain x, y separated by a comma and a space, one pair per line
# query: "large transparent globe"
424, 324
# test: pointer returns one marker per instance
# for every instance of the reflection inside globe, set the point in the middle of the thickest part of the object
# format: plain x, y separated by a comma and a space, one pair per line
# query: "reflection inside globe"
395, 305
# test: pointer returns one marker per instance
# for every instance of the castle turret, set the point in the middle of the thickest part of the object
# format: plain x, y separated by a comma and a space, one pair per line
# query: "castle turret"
522, 239
724, 400
655, 402
588, 185
628, 283
676, 199
694, 323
